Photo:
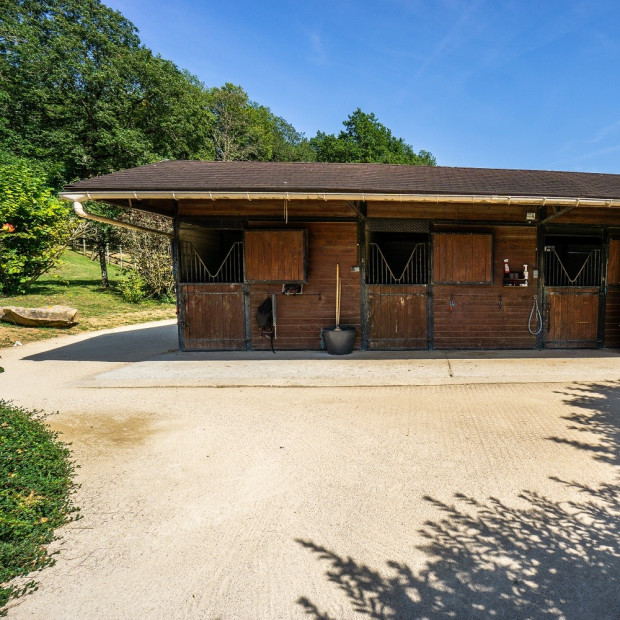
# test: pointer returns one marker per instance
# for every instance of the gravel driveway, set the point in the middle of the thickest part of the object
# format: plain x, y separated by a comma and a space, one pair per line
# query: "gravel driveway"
293, 486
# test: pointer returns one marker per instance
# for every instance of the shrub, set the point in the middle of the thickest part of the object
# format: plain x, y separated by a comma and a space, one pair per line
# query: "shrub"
39, 223
132, 286
35, 495
152, 255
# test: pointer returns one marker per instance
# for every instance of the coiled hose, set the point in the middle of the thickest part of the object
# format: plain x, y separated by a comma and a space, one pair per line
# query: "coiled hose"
537, 316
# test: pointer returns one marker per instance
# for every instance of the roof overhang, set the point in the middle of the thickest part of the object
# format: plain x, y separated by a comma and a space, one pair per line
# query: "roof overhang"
561, 201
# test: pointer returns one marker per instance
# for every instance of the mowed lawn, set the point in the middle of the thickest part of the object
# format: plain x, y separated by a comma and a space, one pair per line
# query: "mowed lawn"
76, 282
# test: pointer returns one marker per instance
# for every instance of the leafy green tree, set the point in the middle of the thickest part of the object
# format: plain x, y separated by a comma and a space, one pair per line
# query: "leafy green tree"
288, 143
244, 130
365, 139
38, 225
77, 85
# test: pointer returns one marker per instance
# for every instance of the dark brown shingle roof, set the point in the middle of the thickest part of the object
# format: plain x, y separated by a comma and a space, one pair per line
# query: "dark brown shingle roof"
205, 176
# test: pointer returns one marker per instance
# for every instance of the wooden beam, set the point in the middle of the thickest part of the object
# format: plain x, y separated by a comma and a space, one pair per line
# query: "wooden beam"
557, 214
358, 207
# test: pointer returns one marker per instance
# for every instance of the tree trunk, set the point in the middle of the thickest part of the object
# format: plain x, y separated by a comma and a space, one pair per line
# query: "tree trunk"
104, 266
101, 253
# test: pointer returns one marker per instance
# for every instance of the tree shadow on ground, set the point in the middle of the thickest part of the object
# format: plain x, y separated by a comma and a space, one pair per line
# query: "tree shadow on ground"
488, 559
601, 416
134, 344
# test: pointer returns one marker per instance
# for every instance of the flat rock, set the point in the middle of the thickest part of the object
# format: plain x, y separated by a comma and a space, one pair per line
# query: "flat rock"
51, 316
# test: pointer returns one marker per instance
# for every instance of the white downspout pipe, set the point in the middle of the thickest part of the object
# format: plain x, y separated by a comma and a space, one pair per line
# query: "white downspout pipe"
79, 211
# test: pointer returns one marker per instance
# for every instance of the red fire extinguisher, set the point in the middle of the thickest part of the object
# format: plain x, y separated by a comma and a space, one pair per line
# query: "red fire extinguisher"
506, 266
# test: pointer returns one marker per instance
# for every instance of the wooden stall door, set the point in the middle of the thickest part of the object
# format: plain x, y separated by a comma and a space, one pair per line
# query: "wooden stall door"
397, 317
213, 317
572, 319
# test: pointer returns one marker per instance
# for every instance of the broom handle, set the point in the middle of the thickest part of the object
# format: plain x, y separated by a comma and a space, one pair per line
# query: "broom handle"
337, 294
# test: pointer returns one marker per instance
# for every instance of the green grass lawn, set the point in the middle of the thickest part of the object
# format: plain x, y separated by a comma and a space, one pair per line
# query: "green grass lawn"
35, 496
76, 282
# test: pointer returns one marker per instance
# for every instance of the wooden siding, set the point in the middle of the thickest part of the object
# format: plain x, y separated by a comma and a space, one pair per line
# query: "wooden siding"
590, 215
571, 318
449, 211
493, 316
463, 258
398, 317
275, 255
612, 300
612, 318
212, 317
300, 318
265, 208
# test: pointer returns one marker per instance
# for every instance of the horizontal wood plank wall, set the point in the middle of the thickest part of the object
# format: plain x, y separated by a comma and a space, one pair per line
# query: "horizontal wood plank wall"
612, 318
397, 317
490, 316
264, 208
300, 318
448, 211
612, 301
213, 317
590, 215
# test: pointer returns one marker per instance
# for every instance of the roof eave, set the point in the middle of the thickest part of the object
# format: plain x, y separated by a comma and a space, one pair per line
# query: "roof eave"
103, 195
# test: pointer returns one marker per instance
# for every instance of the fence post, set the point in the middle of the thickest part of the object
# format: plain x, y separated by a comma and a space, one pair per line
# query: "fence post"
83, 246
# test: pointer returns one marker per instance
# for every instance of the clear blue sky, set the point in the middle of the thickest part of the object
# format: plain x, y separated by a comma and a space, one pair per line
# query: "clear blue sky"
488, 83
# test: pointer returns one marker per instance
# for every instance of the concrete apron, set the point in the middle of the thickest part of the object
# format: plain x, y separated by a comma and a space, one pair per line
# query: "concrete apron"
359, 370
145, 356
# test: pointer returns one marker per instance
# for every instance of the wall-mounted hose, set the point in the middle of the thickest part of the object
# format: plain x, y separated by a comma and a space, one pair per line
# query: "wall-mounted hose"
537, 316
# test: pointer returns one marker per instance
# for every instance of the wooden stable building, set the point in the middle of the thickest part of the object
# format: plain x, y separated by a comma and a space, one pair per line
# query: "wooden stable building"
430, 257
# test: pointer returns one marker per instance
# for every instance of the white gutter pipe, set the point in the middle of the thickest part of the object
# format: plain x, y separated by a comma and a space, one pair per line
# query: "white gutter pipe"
79, 211
404, 198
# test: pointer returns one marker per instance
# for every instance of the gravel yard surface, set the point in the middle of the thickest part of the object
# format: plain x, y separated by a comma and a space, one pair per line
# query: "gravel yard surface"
445, 484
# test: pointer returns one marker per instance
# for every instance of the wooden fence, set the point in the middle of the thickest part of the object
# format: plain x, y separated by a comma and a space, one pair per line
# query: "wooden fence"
116, 256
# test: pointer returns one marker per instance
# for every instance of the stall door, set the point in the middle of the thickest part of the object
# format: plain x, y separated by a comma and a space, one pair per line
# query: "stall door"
572, 319
573, 277
213, 317
397, 317
397, 272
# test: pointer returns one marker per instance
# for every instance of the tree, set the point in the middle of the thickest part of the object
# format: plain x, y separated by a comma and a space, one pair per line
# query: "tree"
245, 130
78, 86
37, 223
152, 273
365, 139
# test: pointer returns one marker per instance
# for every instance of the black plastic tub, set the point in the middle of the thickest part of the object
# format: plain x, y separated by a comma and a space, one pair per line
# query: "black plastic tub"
339, 341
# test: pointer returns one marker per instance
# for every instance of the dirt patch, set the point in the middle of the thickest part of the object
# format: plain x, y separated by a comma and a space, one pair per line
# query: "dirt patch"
105, 431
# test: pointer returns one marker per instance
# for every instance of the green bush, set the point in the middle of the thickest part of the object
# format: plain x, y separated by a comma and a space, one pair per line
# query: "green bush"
132, 286
35, 495
38, 223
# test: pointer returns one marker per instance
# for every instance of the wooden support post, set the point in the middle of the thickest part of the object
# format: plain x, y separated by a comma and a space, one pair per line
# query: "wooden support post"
174, 250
